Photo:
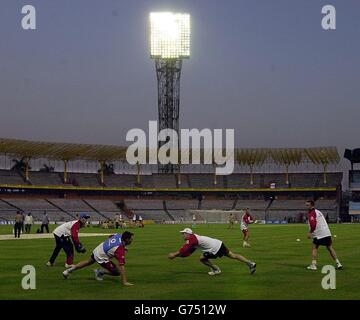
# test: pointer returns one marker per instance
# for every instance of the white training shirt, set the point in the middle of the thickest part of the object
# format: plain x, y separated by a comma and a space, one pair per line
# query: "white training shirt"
207, 244
322, 229
101, 256
65, 229
106, 250
28, 220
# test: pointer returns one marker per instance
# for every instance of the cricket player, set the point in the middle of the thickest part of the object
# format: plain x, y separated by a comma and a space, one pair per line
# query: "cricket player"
65, 235
211, 248
113, 247
320, 234
246, 219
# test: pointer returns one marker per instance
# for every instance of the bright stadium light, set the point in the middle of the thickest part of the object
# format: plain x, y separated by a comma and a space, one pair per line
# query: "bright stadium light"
169, 35
169, 45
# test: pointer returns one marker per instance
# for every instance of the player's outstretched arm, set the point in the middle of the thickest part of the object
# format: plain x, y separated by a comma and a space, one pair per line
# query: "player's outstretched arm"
123, 276
173, 255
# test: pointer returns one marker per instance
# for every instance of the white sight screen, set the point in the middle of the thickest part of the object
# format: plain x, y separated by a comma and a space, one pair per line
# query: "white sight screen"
170, 35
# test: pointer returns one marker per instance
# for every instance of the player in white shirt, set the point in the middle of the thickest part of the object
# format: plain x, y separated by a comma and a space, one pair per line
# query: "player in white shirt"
321, 235
66, 237
246, 219
28, 222
211, 248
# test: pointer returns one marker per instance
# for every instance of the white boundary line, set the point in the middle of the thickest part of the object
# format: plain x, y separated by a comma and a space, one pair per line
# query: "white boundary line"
46, 236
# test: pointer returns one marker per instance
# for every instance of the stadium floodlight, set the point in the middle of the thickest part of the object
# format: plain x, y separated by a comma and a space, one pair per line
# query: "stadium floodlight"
169, 45
170, 35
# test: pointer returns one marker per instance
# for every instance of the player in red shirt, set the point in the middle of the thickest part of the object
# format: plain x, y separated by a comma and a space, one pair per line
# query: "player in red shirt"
212, 249
246, 219
321, 235
113, 247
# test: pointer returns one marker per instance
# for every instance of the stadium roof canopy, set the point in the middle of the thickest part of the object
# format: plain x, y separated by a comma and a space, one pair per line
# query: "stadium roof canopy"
60, 151
92, 152
287, 156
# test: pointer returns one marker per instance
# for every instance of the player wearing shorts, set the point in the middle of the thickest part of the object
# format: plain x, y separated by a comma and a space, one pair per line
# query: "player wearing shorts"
113, 247
211, 248
321, 235
246, 219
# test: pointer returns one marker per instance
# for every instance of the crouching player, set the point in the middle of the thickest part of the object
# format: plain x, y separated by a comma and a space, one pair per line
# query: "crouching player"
63, 236
114, 246
212, 249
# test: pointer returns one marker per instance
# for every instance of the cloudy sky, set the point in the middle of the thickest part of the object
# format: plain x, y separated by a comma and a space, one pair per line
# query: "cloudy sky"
265, 68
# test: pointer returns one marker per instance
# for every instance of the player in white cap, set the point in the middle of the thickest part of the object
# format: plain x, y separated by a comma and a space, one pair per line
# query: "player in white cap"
211, 248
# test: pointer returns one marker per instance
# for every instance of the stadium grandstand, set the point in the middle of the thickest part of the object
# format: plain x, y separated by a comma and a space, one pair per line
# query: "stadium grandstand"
353, 198
65, 179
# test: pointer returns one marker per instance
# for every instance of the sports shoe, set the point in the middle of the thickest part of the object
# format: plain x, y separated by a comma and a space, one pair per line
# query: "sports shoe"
214, 272
49, 264
98, 275
67, 266
252, 267
246, 245
66, 274
339, 266
312, 267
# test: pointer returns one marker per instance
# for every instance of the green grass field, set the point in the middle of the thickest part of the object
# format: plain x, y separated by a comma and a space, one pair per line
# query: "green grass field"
281, 261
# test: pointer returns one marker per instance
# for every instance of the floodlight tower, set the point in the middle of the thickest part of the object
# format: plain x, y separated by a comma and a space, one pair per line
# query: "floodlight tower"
169, 45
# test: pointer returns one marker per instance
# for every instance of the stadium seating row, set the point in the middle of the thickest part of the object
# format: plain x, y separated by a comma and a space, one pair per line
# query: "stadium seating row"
160, 210
275, 180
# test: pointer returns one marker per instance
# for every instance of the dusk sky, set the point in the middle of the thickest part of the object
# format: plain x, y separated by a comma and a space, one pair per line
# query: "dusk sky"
265, 68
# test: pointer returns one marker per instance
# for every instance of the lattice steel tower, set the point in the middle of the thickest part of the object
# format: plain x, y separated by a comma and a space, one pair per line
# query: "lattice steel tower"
170, 44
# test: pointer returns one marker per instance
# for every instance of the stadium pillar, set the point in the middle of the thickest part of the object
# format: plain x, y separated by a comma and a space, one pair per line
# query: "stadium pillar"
65, 170
102, 165
251, 175
325, 170
27, 169
138, 173
215, 177
287, 173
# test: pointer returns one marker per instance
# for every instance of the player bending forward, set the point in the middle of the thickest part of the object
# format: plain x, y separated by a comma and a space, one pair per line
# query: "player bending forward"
113, 247
246, 219
321, 235
63, 236
212, 249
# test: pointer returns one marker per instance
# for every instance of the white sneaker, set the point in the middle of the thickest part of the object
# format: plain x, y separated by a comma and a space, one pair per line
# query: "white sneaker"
214, 272
339, 266
49, 264
98, 275
312, 267
246, 245
67, 266
66, 274
252, 267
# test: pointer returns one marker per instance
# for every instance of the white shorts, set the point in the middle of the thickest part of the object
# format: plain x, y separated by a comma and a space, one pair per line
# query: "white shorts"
99, 255
243, 228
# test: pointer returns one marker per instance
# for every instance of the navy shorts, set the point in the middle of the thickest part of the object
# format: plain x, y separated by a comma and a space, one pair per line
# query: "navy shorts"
327, 241
222, 252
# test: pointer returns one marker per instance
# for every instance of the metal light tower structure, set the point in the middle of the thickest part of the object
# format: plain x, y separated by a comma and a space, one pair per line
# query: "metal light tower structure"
169, 45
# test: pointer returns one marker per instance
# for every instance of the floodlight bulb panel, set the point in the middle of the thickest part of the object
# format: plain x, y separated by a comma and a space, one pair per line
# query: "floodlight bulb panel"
169, 35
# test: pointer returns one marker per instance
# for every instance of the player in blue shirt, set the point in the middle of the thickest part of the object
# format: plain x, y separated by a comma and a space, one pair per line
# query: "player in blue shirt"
113, 247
